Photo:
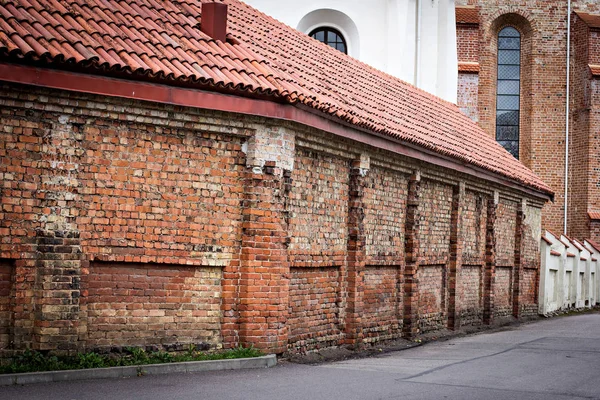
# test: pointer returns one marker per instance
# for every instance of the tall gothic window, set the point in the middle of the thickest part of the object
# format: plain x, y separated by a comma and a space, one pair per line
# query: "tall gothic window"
331, 37
508, 90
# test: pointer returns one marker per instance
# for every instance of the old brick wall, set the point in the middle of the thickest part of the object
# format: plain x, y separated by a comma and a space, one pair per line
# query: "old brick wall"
467, 101
434, 241
7, 302
385, 199
164, 306
506, 225
127, 223
470, 278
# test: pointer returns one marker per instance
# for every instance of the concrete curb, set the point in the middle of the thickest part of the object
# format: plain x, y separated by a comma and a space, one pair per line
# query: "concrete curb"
136, 370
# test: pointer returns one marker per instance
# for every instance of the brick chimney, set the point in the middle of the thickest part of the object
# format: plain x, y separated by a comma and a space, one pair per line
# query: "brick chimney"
214, 20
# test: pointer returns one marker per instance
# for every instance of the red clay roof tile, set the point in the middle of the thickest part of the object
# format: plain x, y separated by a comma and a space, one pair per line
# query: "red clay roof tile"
467, 15
592, 20
161, 40
466, 66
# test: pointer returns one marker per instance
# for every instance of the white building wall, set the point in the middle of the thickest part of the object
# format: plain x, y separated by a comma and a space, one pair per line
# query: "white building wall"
414, 40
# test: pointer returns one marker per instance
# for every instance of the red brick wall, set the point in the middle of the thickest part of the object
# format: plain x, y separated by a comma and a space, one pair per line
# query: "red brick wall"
467, 38
382, 302
529, 288
385, 209
473, 228
432, 297
434, 232
314, 319
506, 219
318, 209
503, 291
467, 100
164, 306
129, 186
470, 294
159, 195
6, 302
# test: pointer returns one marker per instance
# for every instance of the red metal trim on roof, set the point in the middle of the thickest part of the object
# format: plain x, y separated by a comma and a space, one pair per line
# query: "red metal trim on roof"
570, 254
545, 239
582, 258
555, 253
100, 85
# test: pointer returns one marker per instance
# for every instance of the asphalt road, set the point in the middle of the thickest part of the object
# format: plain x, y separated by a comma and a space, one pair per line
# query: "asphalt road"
552, 359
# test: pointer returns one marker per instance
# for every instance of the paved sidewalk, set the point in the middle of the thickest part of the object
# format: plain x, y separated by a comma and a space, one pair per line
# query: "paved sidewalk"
551, 359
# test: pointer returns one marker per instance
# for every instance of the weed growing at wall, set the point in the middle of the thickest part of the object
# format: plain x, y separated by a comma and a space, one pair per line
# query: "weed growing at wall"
34, 361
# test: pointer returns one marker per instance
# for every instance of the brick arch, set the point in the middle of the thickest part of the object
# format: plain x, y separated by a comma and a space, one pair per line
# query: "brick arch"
521, 21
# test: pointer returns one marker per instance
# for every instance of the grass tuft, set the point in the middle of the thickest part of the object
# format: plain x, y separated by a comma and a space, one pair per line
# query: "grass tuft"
34, 361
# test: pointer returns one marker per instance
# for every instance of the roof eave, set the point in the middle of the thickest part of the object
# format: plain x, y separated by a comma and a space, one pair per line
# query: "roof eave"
196, 98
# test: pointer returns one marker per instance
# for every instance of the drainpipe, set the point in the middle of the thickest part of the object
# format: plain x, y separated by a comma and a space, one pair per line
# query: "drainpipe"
567, 113
418, 44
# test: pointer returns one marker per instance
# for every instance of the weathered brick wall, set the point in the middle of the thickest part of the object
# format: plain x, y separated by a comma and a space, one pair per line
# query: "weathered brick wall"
385, 199
529, 290
6, 303
506, 219
382, 312
470, 297
314, 319
281, 236
503, 291
434, 230
467, 38
473, 228
467, 100
432, 297
318, 209
162, 306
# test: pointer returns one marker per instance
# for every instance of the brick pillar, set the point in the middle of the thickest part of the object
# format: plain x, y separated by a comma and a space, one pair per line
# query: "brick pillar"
356, 252
59, 259
519, 253
456, 250
264, 283
410, 326
57, 293
490, 260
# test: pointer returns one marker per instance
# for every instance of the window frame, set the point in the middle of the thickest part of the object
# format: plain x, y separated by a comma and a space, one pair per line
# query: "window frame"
505, 89
327, 30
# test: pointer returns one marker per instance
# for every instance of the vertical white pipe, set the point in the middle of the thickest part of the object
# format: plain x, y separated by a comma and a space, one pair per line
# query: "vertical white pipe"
567, 114
418, 44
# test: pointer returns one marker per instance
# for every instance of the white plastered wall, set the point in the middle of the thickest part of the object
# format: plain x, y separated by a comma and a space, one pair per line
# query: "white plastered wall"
414, 40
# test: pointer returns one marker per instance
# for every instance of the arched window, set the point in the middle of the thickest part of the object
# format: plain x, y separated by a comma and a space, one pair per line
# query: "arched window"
508, 93
331, 37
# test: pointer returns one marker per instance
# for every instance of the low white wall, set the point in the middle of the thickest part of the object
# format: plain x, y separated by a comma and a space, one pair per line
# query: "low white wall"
568, 278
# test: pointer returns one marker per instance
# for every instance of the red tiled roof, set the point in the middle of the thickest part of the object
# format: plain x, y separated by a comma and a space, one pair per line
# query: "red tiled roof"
467, 66
467, 15
592, 20
594, 69
594, 215
160, 40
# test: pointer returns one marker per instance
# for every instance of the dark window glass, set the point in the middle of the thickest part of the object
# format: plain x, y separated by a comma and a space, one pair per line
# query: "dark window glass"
508, 90
331, 37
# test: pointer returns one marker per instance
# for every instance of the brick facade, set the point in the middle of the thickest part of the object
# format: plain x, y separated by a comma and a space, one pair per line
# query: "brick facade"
131, 223
543, 28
